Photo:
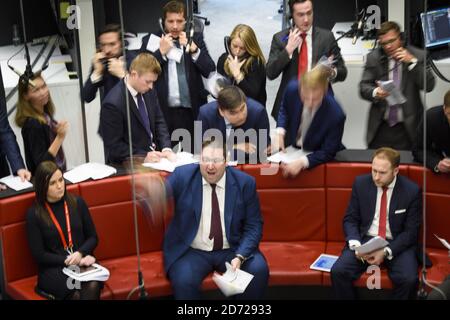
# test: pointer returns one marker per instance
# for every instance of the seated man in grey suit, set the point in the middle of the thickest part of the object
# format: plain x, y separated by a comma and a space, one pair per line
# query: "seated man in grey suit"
394, 125
243, 121
437, 147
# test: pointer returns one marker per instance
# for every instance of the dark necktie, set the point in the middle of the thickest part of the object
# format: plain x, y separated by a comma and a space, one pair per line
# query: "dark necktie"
183, 87
144, 115
383, 209
393, 110
216, 226
303, 57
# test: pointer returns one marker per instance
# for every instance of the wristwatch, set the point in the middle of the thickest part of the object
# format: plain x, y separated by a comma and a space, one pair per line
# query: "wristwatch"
241, 258
436, 169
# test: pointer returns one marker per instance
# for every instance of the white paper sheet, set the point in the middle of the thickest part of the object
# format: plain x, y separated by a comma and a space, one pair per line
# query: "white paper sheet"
289, 156
395, 95
444, 242
90, 170
373, 244
232, 282
173, 54
16, 183
164, 164
99, 274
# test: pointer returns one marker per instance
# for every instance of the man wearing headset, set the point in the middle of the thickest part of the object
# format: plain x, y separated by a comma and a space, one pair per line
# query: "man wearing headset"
394, 125
296, 50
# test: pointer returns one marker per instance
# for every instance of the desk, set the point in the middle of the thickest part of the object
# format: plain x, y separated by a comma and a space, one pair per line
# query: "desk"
64, 91
347, 92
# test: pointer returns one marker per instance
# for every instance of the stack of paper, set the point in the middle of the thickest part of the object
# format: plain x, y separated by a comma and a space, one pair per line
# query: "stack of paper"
95, 272
444, 242
232, 282
289, 156
164, 164
395, 95
16, 183
173, 54
376, 243
90, 170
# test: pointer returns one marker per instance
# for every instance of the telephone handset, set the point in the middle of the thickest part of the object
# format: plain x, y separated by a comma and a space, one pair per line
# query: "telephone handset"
227, 44
189, 29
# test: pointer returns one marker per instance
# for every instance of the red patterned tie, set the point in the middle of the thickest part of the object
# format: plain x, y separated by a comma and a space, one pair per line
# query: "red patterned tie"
216, 226
303, 57
383, 209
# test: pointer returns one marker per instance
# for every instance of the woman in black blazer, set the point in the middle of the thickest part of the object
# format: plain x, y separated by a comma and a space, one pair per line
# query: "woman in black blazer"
42, 135
244, 63
52, 245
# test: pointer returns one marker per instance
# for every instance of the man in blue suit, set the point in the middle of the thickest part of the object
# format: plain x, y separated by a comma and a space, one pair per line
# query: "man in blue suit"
217, 219
243, 121
8, 144
149, 134
386, 205
312, 120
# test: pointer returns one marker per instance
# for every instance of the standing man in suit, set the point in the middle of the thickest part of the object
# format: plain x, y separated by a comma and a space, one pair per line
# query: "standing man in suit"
386, 205
394, 125
148, 128
217, 219
8, 144
180, 86
242, 121
311, 119
296, 50
437, 146
108, 64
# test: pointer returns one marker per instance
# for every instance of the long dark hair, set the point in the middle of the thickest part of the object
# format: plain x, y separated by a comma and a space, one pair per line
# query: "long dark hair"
42, 175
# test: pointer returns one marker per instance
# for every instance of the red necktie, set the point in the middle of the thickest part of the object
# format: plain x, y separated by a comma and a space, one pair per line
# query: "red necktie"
216, 226
383, 209
303, 57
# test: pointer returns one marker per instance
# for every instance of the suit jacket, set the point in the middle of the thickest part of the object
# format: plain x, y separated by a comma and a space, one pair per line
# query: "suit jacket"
113, 118
437, 138
203, 66
107, 82
376, 68
36, 141
257, 119
243, 220
325, 132
361, 211
254, 82
323, 43
8, 144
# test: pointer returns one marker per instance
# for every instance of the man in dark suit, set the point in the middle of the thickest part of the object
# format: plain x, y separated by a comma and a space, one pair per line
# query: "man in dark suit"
108, 65
386, 205
241, 120
292, 56
394, 125
437, 146
217, 219
180, 86
148, 128
8, 144
311, 119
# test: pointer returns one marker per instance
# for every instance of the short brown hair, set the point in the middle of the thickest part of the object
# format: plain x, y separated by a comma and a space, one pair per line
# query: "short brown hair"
393, 156
317, 77
145, 62
230, 98
388, 26
216, 144
292, 2
174, 7
112, 27
447, 99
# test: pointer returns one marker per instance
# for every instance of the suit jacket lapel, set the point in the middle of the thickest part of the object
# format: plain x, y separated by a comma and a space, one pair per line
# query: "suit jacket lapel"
148, 105
394, 200
231, 194
197, 195
315, 39
372, 194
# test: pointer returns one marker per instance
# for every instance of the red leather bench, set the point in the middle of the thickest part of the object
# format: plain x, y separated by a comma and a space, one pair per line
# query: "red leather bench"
302, 219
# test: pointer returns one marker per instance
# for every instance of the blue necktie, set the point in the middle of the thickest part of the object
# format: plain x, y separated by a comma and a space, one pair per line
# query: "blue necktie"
144, 115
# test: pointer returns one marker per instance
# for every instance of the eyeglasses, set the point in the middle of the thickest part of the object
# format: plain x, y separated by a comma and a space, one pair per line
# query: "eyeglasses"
212, 160
390, 41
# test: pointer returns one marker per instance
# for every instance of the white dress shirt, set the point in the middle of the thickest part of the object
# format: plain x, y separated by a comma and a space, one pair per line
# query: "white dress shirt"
201, 240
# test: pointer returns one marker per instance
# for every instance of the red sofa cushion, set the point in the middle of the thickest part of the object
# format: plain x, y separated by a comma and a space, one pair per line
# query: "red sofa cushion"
284, 210
436, 183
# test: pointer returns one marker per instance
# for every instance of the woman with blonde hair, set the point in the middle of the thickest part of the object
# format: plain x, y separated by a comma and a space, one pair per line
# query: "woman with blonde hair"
244, 63
42, 134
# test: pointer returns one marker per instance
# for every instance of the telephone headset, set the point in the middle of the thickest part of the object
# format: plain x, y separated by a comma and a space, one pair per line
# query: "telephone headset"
227, 44
188, 28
